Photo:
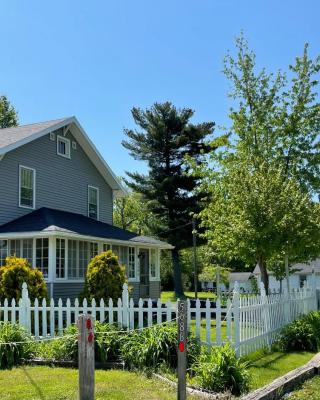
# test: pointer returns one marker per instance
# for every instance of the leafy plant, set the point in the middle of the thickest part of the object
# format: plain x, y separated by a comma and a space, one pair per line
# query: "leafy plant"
15, 345
157, 345
107, 344
220, 370
14, 273
105, 277
302, 334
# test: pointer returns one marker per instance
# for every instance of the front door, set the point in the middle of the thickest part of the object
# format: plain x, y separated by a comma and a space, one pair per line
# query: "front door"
144, 272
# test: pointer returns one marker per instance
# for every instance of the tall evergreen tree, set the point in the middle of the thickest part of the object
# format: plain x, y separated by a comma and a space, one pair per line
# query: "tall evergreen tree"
8, 114
167, 136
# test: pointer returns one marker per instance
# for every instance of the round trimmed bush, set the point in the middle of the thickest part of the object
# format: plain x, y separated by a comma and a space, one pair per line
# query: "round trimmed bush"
105, 277
14, 273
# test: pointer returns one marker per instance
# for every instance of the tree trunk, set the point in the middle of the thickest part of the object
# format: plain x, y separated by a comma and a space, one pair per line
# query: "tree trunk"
280, 286
264, 273
178, 288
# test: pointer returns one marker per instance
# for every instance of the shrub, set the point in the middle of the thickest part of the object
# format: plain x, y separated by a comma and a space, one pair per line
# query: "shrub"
105, 277
14, 273
302, 334
12, 354
107, 346
157, 345
220, 370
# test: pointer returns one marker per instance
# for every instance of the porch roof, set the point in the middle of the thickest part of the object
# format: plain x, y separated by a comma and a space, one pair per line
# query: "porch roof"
48, 220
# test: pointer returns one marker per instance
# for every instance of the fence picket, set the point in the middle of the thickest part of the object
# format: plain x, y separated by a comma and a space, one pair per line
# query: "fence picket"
252, 321
36, 318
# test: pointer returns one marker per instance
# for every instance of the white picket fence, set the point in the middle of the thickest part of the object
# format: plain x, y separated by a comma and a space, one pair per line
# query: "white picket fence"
248, 322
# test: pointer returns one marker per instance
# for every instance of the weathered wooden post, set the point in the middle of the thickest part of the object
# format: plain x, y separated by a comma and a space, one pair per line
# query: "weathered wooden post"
182, 350
86, 357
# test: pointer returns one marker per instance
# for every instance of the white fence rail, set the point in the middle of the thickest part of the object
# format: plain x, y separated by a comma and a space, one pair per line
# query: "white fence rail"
248, 322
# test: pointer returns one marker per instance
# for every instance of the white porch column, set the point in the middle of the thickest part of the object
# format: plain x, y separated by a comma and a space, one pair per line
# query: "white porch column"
52, 264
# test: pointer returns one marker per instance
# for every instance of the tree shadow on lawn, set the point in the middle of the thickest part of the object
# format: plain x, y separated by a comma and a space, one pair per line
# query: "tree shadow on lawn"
34, 384
267, 364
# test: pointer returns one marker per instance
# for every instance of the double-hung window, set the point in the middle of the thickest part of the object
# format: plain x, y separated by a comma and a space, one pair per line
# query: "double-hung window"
42, 253
63, 147
27, 177
131, 264
93, 202
60, 258
3, 251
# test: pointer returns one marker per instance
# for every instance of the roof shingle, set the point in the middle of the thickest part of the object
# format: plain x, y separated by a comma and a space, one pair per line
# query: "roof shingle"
51, 220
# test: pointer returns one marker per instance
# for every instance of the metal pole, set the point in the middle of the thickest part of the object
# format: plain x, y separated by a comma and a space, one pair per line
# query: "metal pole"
182, 350
194, 239
218, 280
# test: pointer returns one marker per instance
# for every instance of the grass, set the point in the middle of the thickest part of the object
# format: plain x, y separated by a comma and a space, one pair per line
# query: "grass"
308, 390
165, 296
265, 367
46, 383
213, 330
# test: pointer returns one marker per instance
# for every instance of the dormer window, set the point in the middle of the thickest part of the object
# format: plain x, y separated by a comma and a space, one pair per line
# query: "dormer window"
63, 147
93, 202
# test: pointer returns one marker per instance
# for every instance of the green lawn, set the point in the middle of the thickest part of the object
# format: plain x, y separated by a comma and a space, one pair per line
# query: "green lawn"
264, 368
165, 296
309, 390
46, 383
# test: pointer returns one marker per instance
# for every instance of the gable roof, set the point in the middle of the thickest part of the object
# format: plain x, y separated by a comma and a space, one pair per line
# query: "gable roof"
51, 221
12, 138
300, 268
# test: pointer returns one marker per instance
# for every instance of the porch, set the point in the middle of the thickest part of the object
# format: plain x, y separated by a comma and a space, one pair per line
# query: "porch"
62, 247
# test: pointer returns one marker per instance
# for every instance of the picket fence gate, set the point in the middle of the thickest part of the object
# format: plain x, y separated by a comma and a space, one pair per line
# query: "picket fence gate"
248, 322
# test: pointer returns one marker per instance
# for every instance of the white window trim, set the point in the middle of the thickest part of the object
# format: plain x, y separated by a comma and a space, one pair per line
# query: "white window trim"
98, 201
67, 142
157, 266
34, 187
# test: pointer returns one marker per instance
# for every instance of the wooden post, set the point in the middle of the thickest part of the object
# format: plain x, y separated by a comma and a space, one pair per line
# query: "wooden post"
182, 350
86, 357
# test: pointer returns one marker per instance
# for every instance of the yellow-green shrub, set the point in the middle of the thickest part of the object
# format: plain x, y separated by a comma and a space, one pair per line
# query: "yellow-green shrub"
105, 277
14, 273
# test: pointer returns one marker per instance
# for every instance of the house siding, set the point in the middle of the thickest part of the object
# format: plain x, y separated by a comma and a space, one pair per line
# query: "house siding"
154, 290
66, 290
61, 183
72, 290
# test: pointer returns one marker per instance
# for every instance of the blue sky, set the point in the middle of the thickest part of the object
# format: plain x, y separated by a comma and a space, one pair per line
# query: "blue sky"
97, 59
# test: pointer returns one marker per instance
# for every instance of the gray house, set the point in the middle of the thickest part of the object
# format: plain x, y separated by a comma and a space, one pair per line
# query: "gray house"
56, 209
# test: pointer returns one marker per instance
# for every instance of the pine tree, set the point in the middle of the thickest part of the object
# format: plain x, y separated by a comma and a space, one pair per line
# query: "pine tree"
167, 136
8, 114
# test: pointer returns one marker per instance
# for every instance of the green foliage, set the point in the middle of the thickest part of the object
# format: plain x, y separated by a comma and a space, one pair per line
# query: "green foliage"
14, 273
107, 344
132, 213
261, 185
152, 347
254, 285
8, 114
302, 334
210, 274
220, 370
12, 354
105, 277
166, 137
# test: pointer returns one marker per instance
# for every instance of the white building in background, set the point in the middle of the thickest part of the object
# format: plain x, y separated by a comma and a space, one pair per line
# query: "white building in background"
243, 278
306, 273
